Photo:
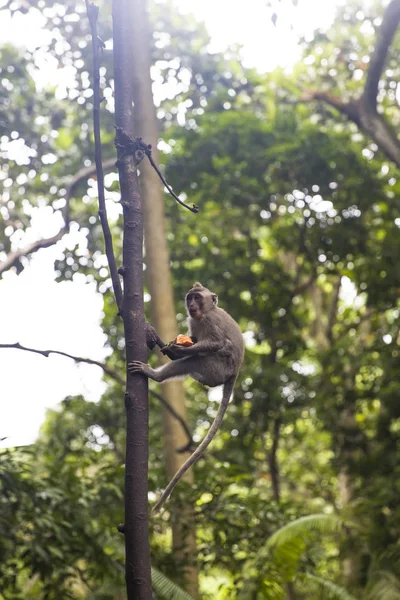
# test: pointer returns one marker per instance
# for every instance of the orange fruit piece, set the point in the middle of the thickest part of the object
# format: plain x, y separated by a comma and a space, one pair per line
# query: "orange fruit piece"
184, 340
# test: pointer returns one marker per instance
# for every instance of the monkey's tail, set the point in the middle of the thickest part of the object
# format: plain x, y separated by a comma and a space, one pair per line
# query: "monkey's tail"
198, 453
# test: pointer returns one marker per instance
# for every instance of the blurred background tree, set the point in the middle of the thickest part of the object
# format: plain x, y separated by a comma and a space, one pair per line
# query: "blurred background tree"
298, 234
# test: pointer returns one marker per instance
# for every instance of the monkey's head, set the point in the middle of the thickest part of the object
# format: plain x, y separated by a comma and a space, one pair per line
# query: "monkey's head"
199, 300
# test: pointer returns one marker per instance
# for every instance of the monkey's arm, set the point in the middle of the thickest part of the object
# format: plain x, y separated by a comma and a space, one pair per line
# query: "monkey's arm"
205, 346
152, 337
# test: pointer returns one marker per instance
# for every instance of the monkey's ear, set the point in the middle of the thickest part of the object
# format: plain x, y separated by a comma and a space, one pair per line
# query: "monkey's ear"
215, 299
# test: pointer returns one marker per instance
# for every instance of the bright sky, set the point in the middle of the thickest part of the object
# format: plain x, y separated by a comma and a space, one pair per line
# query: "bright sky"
38, 312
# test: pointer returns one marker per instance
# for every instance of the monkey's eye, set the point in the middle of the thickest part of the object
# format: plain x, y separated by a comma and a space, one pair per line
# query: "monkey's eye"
196, 297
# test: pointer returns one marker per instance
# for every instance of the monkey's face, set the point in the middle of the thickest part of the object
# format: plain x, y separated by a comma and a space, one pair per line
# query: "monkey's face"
195, 304
198, 302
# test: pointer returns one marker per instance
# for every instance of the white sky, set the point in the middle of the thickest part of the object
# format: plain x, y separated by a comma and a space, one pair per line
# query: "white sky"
38, 312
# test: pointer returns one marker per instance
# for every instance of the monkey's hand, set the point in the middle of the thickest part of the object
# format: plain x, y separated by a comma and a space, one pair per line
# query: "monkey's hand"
138, 367
168, 352
174, 351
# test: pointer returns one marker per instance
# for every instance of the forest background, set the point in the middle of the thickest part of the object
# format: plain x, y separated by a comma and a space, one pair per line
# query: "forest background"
298, 233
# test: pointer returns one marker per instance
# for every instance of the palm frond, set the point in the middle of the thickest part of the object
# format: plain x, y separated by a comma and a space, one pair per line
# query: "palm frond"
387, 587
278, 559
302, 527
167, 589
332, 591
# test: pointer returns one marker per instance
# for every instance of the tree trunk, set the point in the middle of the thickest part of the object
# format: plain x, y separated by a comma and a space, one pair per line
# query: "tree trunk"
272, 460
350, 563
137, 547
290, 593
353, 439
322, 332
159, 282
275, 481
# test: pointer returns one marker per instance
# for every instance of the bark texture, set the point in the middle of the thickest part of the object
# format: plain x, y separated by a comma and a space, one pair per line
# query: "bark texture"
138, 574
160, 287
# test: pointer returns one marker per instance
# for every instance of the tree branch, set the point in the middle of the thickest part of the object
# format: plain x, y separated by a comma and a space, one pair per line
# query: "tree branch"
382, 134
128, 144
349, 109
114, 375
363, 111
84, 173
193, 208
92, 12
391, 20
111, 372
13, 257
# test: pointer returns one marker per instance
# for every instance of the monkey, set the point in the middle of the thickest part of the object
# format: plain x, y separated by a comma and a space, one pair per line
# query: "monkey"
214, 359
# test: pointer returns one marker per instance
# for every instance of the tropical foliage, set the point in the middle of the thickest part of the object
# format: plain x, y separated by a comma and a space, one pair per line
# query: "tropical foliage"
298, 233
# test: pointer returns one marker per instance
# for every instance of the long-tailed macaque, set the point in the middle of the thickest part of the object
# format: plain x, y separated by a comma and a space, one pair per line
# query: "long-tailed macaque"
214, 359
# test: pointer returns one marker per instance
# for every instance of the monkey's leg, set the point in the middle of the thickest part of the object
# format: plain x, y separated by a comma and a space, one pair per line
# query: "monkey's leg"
177, 368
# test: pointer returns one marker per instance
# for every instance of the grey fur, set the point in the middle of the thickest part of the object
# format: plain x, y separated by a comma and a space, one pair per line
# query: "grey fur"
214, 359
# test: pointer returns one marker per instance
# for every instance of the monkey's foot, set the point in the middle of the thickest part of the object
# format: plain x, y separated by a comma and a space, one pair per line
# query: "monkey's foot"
137, 367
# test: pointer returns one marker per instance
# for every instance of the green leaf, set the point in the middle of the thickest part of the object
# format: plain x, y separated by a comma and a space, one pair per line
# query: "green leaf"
167, 589
331, 590
386, 588
301, 528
